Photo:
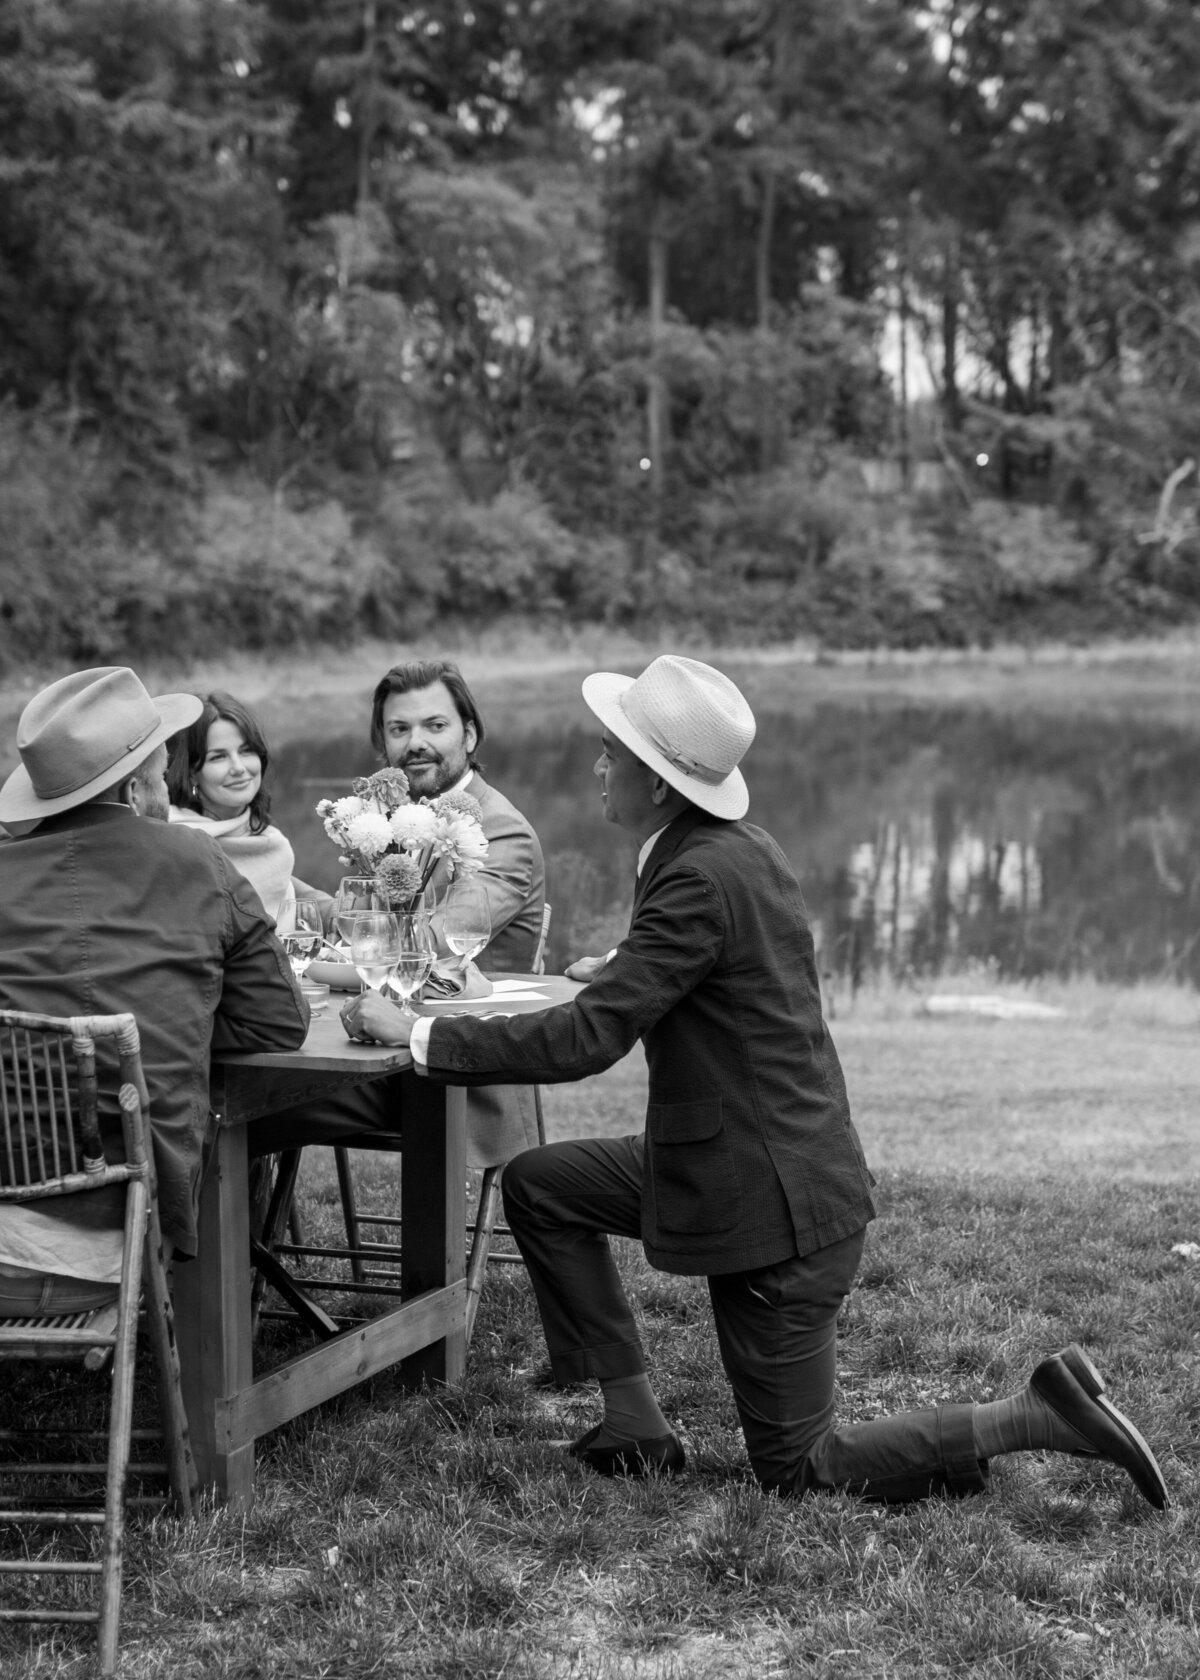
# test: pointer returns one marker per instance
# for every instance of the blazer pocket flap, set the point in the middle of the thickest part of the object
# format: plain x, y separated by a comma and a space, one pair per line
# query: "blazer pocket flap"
692, 1122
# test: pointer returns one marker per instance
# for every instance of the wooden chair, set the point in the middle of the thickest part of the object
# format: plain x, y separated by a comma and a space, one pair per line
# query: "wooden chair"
50, 1147
369, 1257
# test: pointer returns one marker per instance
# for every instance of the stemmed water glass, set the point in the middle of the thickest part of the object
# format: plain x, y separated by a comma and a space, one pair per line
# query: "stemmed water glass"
374, 947
466, 920
418, 952
304, 936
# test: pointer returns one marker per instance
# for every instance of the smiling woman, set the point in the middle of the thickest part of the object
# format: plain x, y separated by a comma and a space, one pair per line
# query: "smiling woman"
216, 782
229, 776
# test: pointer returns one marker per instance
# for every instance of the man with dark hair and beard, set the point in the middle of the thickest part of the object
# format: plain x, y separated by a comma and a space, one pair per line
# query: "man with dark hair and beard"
425, 721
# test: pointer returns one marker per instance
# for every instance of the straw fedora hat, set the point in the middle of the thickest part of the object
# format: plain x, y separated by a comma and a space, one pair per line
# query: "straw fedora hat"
685, 720
84, 734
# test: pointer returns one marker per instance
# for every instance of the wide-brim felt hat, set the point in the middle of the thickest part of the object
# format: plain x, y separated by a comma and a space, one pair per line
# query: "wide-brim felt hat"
84, 734
687, 721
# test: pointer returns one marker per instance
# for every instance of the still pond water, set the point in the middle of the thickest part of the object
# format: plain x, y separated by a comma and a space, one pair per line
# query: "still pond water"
924, 837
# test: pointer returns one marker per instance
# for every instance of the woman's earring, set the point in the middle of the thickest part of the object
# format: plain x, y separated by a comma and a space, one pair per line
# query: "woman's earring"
195, 793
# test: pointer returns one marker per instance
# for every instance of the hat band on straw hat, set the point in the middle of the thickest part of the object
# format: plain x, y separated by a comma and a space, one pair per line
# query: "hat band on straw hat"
635, 712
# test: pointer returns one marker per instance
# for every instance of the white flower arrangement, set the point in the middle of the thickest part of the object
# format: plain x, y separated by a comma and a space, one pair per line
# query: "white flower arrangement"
368, 836
413, 825
379, 825
461, 837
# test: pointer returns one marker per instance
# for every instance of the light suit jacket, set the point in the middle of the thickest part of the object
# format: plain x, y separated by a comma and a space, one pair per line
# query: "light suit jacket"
750, 1152
502, 1119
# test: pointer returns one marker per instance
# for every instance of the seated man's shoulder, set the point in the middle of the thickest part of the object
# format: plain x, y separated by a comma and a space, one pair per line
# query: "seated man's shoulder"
730, 850
168, 849
496, 806
175, 840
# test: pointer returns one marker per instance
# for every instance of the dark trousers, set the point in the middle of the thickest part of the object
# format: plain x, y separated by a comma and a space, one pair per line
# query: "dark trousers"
501, 1119
776, 1328
334, 1117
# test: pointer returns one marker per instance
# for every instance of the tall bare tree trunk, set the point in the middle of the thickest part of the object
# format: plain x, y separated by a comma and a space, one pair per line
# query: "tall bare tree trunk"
1056, 371
770, 441
951, 400
656, 395
367, 123
903, 311
772, 429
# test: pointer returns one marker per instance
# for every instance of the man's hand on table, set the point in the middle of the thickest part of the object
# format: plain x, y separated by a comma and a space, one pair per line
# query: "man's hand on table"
372, 1019
587, 968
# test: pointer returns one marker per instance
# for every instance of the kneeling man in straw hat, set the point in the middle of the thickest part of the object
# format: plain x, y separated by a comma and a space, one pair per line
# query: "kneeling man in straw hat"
108, 909
749, 1171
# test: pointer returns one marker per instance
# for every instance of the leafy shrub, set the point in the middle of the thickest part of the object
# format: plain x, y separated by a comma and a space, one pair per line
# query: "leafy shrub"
783, 524
86, 578
1032, 545
69, 579
264, 574
473, 560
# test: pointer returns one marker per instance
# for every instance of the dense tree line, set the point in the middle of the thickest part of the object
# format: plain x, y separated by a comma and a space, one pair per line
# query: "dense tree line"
323, 316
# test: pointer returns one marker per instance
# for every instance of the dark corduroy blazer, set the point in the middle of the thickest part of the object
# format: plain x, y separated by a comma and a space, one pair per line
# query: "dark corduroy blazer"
750, 1151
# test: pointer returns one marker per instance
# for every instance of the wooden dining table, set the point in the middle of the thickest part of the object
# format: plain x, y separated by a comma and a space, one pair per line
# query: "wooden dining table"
228, 1407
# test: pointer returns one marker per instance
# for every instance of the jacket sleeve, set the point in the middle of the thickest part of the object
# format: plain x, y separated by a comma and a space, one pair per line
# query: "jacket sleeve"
676, 937
260, 1007
508, 873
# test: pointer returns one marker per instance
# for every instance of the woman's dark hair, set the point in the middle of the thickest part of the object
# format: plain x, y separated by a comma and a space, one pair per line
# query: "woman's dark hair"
190, 745
423, 673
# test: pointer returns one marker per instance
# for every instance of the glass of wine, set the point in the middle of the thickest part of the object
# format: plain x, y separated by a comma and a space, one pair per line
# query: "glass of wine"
418, 951
304, 937
355, 894
374, 946
466, 920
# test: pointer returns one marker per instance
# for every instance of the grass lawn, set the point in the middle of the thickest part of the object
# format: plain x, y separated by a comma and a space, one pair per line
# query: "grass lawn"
1034, 1178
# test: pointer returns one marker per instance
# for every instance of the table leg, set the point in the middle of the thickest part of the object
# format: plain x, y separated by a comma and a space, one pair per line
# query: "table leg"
212, 1320
433, 1214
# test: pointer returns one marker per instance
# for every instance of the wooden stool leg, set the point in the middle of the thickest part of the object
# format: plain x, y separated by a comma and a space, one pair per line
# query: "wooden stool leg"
350, 1212
276, 1218
485, 1223
120, 1425
160, 1328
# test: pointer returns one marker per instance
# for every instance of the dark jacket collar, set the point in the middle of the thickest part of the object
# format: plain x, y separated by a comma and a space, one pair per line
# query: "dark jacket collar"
85, 816
668, 843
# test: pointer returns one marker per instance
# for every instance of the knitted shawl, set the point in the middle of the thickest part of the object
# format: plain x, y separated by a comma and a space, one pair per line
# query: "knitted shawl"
265, 859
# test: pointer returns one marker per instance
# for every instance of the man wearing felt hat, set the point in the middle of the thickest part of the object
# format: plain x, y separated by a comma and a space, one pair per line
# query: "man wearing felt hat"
749, 1171
106, 908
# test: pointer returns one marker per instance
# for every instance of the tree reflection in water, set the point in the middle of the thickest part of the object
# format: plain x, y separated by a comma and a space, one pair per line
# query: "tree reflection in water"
925, 838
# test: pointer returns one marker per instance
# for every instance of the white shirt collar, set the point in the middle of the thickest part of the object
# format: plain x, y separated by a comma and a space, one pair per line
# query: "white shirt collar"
648, 847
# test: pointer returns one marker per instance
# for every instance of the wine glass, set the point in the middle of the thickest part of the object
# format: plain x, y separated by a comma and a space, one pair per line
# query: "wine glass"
466, 920
355, 894
304, 938
418, 951
374, 946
